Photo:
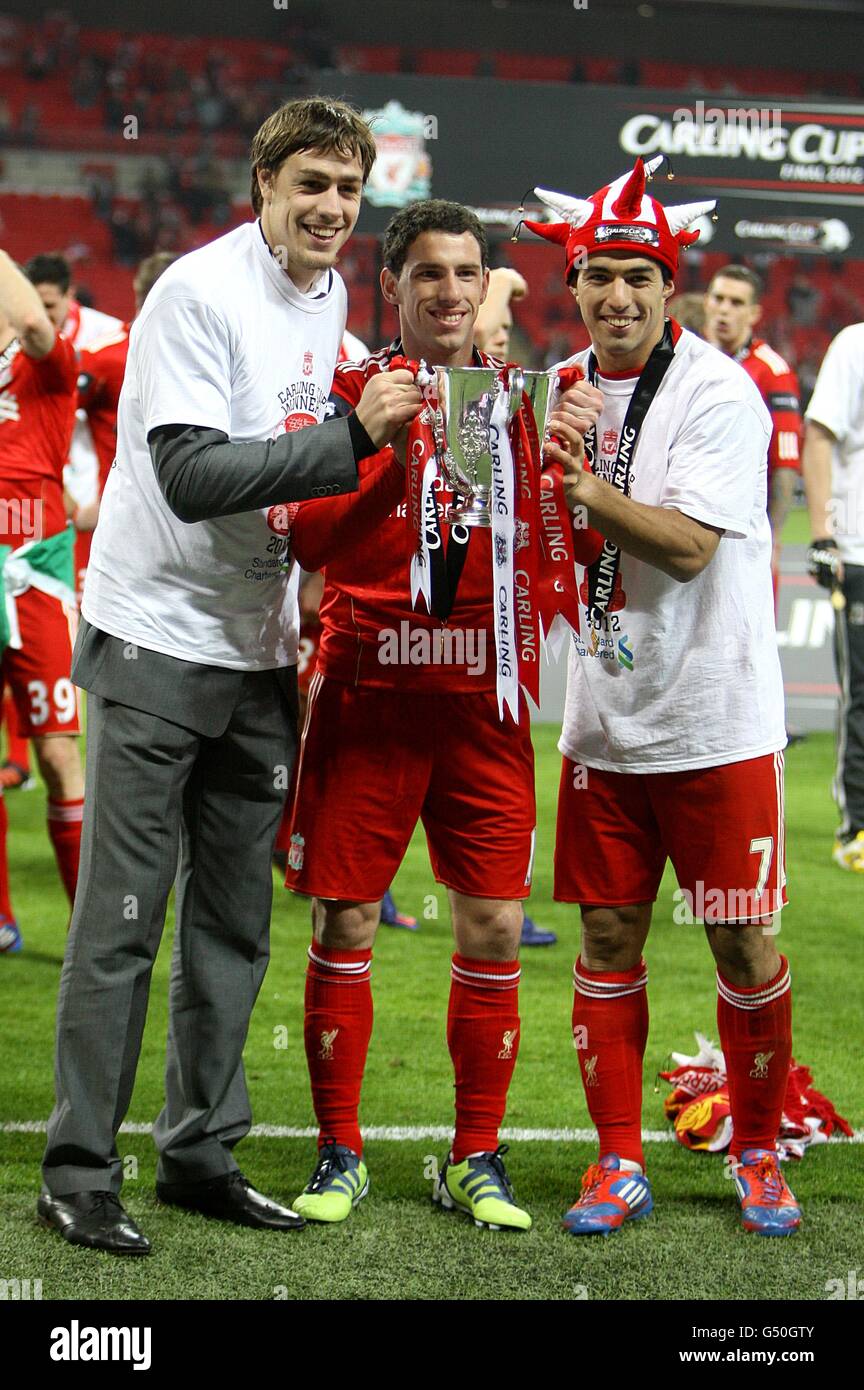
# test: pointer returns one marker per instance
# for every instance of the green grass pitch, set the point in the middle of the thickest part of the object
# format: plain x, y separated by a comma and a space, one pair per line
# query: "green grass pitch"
396, 1245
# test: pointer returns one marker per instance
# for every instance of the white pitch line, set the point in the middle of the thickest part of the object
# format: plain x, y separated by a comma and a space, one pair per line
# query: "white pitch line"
402, 1134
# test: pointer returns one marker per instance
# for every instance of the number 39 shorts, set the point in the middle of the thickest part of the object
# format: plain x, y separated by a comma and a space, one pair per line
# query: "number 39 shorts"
374, 761
37, 674
722, 828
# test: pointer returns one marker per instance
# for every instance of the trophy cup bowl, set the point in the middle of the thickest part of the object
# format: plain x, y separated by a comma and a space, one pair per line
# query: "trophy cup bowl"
467, 397
539, 389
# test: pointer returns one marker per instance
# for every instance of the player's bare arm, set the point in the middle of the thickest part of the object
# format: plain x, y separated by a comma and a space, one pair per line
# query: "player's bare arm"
22, 315
816, 471
660, 536
781, 499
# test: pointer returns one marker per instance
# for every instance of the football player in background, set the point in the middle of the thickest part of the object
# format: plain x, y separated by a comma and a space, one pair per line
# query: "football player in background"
38, 374
51, 275
101, 368
387, 744
834, 480
733, 308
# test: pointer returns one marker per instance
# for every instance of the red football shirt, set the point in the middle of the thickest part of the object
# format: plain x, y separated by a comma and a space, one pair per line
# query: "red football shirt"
101, 368
360, 541
778, 386
37, 413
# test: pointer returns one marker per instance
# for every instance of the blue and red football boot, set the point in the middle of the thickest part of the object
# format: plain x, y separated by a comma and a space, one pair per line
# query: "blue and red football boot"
608, 1199
392, 917
767, 1205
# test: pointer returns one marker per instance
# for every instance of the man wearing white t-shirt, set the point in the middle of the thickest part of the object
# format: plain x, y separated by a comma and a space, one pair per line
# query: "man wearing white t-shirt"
188, 649
673, 726
833, 467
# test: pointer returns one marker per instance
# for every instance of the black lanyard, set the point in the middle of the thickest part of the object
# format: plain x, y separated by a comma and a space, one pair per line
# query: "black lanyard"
604, 572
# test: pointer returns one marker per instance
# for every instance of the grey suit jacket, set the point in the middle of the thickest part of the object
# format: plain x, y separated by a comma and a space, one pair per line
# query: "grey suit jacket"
197, 697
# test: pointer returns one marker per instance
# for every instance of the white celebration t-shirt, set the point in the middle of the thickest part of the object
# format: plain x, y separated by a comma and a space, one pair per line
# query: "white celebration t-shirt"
684, 675
225, 341
838, 404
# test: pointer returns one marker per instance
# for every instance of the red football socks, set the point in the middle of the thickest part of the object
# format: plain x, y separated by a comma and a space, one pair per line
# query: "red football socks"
64, 830
610, 1029
337, 1029
755, 1025
483, 1037
5, 905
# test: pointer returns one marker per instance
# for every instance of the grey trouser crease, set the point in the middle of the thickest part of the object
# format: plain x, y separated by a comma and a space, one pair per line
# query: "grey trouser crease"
156, 789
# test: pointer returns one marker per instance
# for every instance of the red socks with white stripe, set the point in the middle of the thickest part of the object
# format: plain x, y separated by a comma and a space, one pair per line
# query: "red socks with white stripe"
755, 1027
483, 1037
337, 1028
610, 1029
64, 830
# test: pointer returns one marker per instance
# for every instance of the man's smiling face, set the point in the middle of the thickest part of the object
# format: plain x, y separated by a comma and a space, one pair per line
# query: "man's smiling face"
310, 207
622, 300
438, 292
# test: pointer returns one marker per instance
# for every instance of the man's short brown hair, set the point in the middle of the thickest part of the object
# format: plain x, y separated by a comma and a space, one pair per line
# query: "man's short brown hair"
429, 215
312, 123
745, 275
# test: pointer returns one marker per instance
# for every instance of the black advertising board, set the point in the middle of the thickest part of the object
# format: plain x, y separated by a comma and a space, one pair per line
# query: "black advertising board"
788, 176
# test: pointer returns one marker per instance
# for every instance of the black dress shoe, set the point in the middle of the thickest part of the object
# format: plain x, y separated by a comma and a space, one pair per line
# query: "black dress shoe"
93, 1218
230, 1198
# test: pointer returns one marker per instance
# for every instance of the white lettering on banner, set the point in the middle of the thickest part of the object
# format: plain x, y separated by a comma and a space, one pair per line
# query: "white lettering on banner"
527, 639
551, 526
606, 574
810, 145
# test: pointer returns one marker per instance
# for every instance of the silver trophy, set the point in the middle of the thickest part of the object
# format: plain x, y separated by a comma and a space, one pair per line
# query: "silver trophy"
540, 390
466, 399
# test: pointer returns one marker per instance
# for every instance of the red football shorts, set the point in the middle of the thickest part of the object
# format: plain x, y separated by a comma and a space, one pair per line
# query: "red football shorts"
373, 762
37, 673
722, 828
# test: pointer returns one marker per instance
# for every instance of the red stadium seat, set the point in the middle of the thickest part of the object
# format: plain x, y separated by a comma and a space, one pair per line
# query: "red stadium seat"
384, 58
533, 67
447, 62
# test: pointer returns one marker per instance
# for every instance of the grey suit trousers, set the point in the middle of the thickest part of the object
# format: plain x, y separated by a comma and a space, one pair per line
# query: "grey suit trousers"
188, 764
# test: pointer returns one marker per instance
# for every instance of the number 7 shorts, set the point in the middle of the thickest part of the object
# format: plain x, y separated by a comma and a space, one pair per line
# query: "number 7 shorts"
375, 761
722, 828
37, 673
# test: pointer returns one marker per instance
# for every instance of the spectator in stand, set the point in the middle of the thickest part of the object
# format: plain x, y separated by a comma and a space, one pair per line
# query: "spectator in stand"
29, 122
803, 301
733, 308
